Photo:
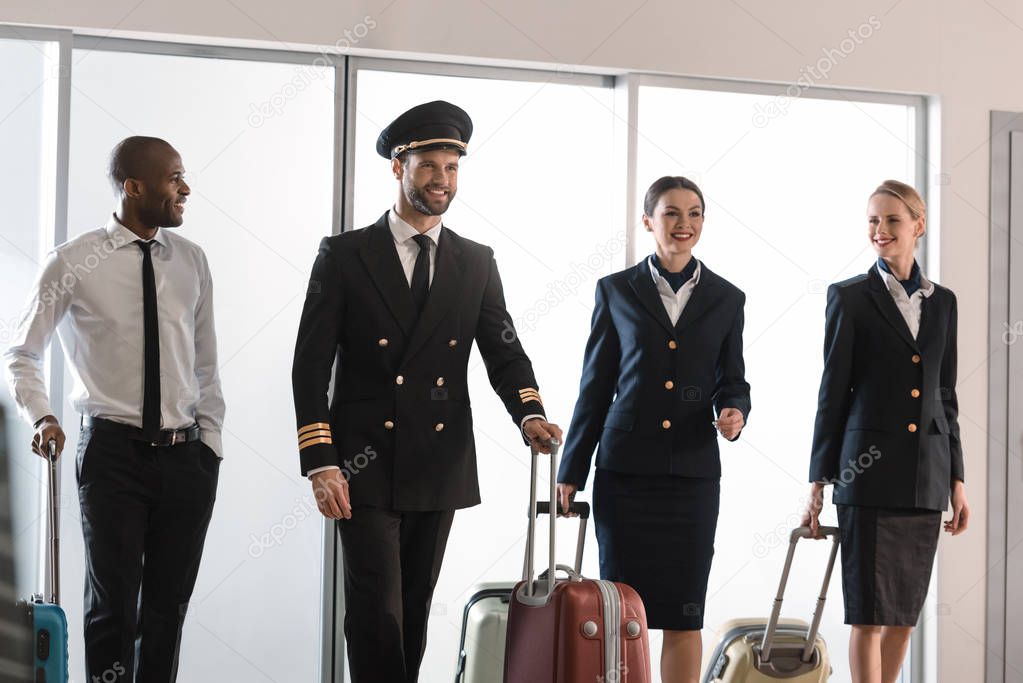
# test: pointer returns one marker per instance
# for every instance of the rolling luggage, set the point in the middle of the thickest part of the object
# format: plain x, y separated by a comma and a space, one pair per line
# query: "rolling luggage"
15, 628
49, 624
485, 618
484, 627
572, 630
759, 651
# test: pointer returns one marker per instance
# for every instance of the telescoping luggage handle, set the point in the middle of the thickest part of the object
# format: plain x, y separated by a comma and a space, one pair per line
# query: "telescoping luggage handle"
772, 624
581, 509
528, 594
53, 524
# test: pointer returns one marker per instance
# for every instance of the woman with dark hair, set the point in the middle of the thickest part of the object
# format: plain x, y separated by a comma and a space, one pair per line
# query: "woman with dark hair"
664, 355
887, 434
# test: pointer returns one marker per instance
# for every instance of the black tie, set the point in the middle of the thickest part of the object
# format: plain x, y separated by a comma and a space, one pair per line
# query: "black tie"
151, 396
421, 273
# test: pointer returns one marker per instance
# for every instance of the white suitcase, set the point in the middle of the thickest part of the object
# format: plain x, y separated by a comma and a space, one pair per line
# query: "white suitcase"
761, 650
484, 628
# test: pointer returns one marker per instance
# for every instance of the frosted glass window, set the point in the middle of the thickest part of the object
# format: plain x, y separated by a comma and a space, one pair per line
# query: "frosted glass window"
786, 202
258, 154
537, 186
28, 134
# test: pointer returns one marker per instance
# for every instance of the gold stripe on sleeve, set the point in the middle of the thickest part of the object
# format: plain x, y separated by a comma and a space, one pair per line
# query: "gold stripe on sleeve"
319, 432
312, 442
312, 427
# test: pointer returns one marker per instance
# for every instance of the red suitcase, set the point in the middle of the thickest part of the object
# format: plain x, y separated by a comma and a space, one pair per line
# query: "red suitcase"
572, 630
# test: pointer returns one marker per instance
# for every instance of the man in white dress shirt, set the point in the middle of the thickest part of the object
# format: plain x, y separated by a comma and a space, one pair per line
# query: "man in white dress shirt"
132, 304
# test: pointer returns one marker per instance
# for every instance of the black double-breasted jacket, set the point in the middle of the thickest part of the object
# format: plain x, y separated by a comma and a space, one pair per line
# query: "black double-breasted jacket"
650, 388
400, 424
887, 430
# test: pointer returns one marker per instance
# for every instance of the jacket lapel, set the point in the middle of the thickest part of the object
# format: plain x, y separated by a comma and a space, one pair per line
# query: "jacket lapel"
443, 291
381, 259
883, 299
703, 298
643, 285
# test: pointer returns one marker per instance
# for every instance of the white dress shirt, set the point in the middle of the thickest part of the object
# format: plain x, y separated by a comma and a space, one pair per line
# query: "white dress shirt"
674, 302
909, 306
408, 250
90, 292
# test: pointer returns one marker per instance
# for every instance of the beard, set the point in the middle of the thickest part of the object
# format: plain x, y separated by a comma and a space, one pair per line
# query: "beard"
422, 203
162, 216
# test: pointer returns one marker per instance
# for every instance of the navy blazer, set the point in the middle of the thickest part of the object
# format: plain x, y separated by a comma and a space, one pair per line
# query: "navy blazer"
649, 388
887, 429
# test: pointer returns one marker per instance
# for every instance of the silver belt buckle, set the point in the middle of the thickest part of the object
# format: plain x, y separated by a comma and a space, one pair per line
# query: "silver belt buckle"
174, 437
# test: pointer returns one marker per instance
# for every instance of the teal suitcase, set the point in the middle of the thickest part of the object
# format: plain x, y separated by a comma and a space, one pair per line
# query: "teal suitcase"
49, 623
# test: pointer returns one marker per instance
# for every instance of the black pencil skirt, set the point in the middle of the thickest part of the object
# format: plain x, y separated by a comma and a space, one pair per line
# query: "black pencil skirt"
656, 534
887, 556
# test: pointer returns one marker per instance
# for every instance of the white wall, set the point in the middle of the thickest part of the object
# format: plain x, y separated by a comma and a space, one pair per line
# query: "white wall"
965, 53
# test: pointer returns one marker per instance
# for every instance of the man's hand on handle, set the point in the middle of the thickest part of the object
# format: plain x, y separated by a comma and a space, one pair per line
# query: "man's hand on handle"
330, 489
47, 428
540, 432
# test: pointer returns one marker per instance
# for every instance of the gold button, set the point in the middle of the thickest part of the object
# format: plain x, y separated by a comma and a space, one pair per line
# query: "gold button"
440, 381
383, 342
439, 427
669, 384
388, 425
911, 427
915, 393
672, 345
916, 358
399, 379
452, 343
666, 424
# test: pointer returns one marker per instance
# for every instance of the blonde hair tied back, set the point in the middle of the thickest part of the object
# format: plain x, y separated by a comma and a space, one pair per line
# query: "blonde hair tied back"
906, 193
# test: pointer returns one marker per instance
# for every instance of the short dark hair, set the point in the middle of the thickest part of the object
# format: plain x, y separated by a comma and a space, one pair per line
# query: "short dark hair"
666, 183
128, 157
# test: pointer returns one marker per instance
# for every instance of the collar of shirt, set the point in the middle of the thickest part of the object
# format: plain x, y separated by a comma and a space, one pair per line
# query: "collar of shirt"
122, 236
402, 231
895, 286
694, 280
912, 283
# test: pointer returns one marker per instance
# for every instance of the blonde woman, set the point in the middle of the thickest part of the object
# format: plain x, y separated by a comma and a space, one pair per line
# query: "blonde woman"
887, 433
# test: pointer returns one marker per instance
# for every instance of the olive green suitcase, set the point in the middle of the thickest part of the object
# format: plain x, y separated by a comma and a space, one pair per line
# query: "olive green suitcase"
774, 650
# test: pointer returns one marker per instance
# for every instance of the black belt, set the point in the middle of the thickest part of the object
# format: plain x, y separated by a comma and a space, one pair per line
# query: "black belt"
168, 437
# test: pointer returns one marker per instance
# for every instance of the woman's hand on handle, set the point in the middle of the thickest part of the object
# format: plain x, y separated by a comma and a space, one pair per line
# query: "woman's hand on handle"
814, 505
566, 492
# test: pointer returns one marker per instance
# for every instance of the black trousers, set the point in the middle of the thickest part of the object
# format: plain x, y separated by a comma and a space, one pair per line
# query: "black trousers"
145, 510
391, 562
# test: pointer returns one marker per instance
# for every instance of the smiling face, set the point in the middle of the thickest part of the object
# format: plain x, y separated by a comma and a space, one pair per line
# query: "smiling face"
158, 189
891, 228
429, 180
677, 222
